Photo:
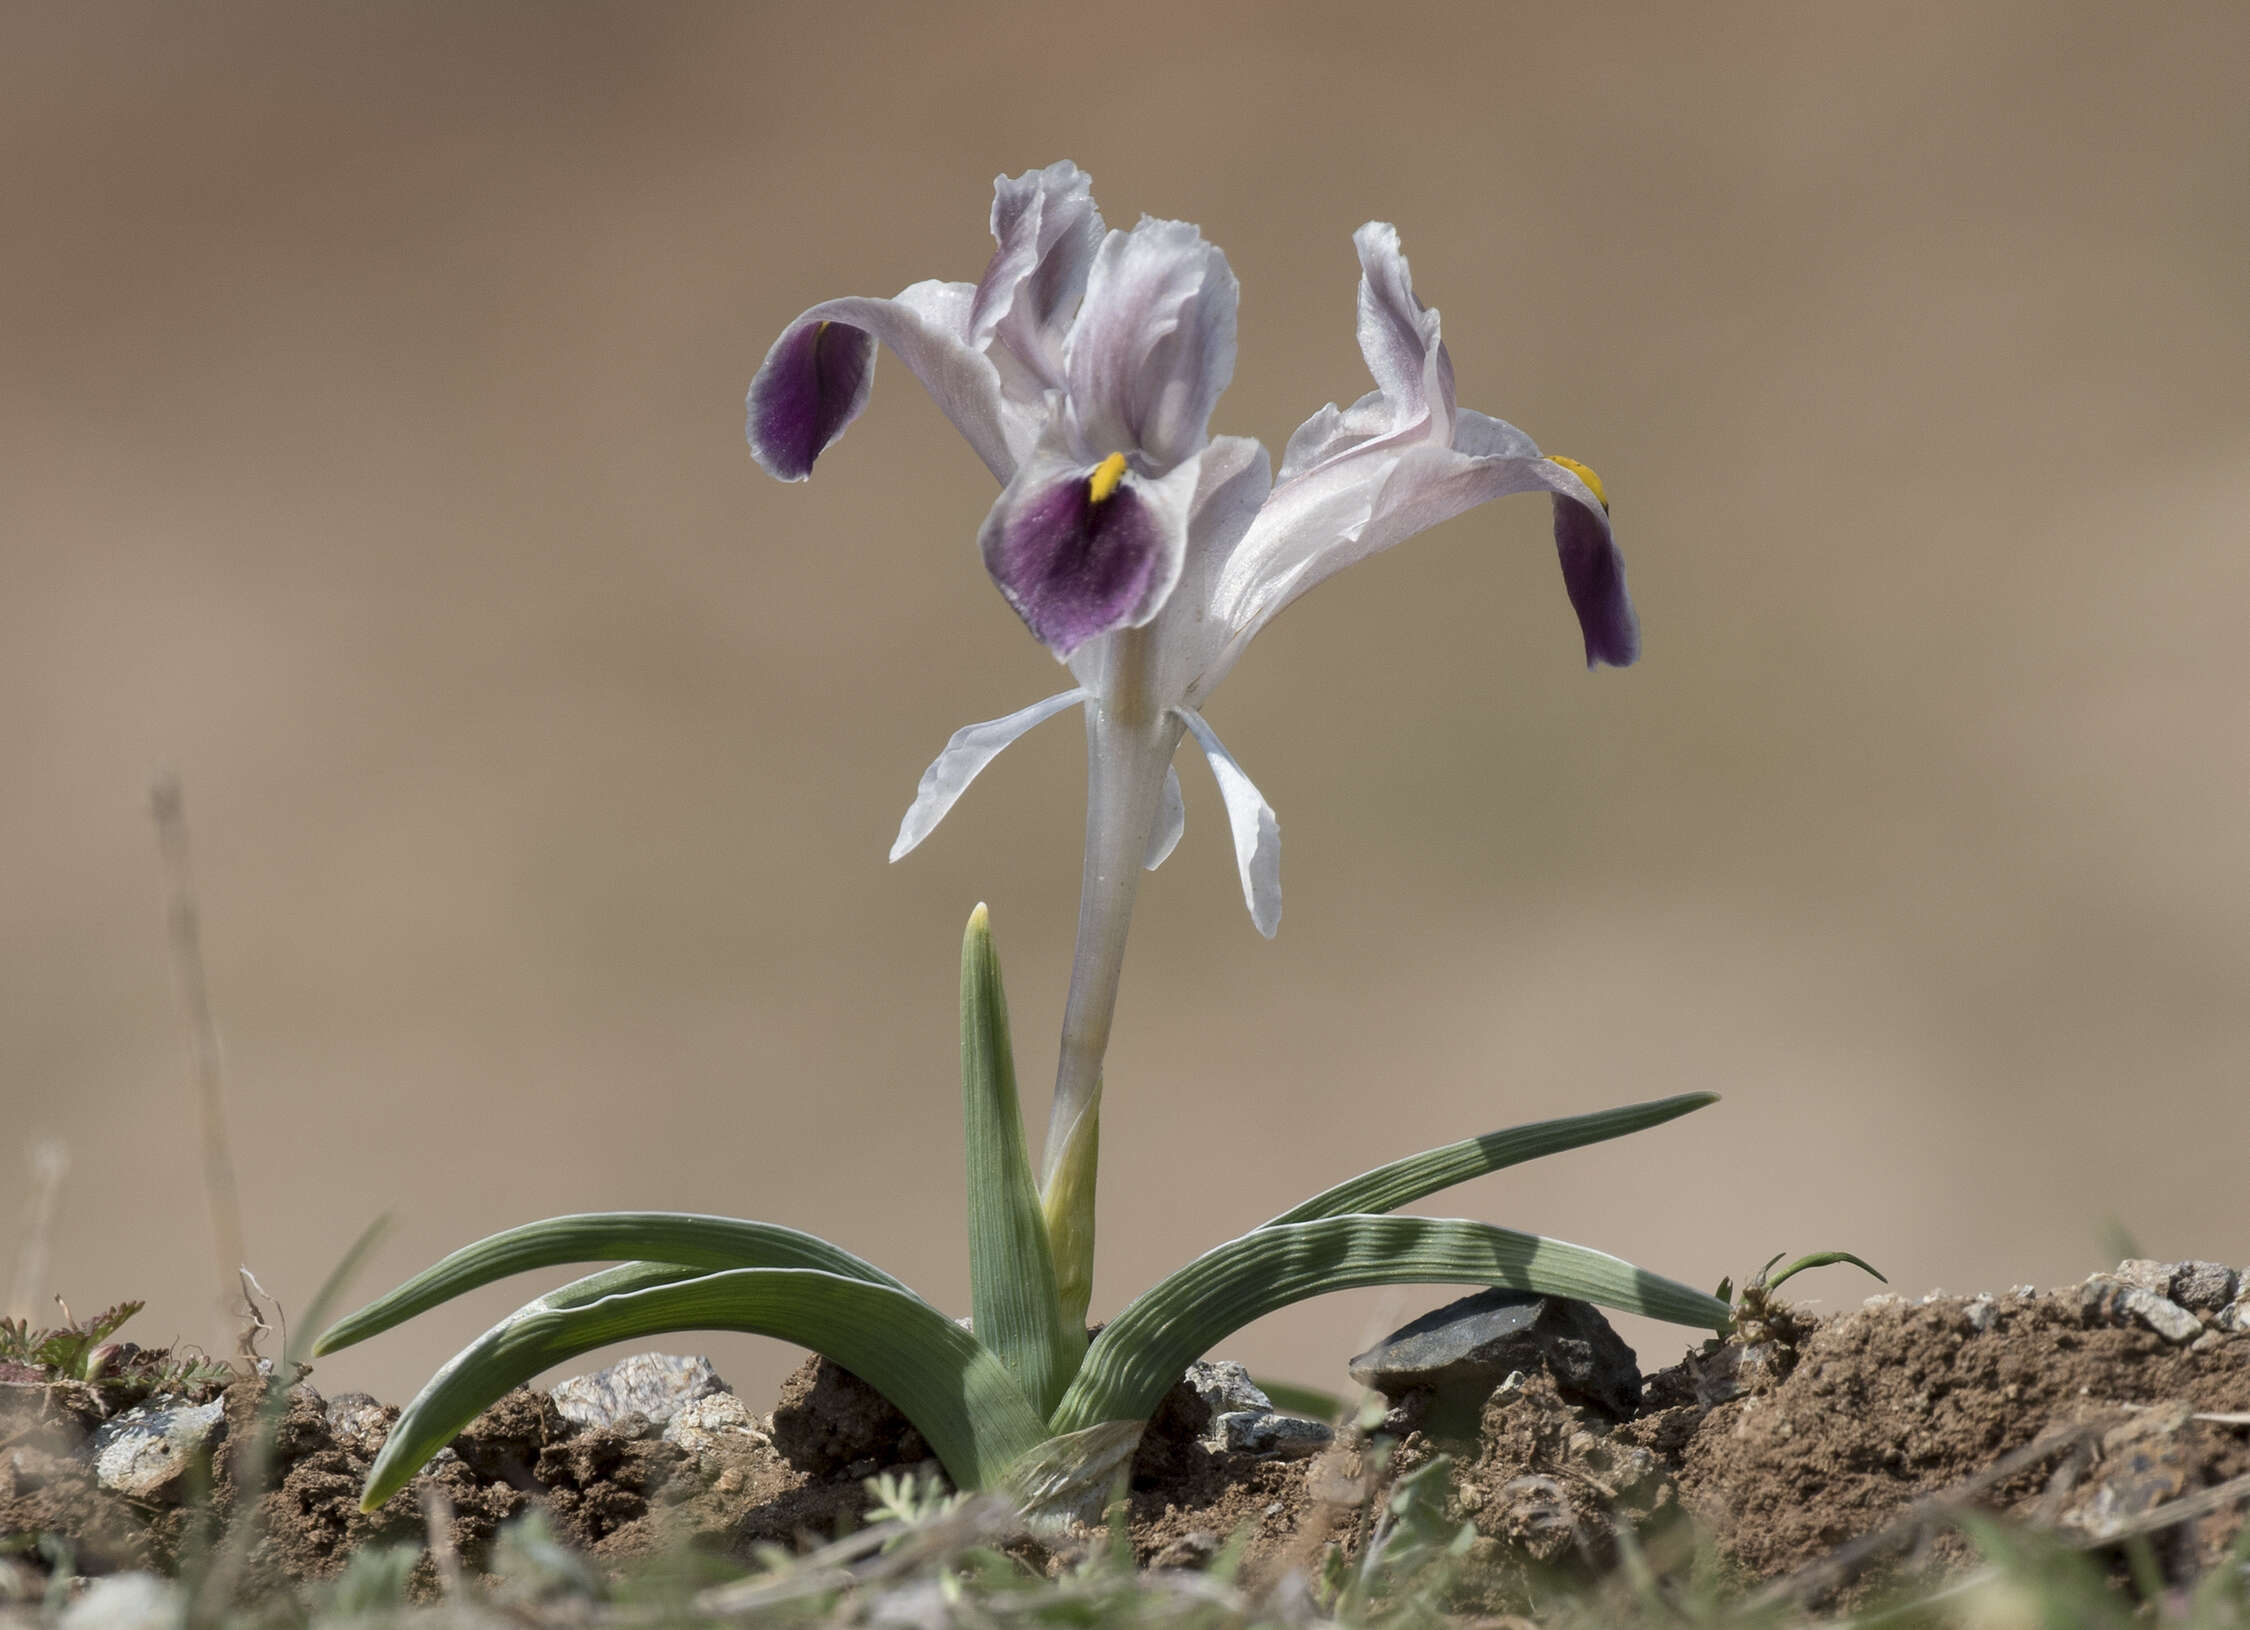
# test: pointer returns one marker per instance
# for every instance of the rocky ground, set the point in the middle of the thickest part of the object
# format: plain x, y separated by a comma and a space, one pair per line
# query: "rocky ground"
1814, 1460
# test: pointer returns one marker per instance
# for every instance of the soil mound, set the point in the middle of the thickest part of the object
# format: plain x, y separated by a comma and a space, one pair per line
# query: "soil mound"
1837, 1460
1817, 1460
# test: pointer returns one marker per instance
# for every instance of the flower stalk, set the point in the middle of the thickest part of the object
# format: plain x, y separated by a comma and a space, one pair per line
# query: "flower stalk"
1130, 740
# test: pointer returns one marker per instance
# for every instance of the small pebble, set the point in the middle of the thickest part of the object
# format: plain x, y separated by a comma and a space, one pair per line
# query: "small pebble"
2162, 1315
127, 1601
2203, 1287
2144, 1273
1226, 1386
1288, 1437
712, 1422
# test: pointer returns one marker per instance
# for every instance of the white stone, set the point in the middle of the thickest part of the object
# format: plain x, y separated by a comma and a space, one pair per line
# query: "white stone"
2145, 1273
652, 1385
1288, 1437
2162, 1315
126, 1601
714, 1422
144, 1453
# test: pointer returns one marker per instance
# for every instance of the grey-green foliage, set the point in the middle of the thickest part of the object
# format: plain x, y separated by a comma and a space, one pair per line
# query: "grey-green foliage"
986, 1401
1014, 1303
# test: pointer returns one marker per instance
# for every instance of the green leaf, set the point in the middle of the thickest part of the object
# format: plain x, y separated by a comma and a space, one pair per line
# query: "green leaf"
1402, 1182
1143, 1350
605, 1236
1818, 1259
1012, 1297
332, 1288
1291, 1398
941, 1377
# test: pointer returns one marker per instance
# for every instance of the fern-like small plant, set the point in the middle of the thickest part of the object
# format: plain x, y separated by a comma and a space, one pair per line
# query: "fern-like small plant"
83, 1351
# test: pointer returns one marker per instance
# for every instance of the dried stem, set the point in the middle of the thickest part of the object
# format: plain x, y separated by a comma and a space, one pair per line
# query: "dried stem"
184, 920
49, 1161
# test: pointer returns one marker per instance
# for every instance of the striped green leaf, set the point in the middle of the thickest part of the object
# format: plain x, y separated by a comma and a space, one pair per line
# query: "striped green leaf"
683, 1238
1012, 1298
1145, 1348
941, 1378
1402, 1182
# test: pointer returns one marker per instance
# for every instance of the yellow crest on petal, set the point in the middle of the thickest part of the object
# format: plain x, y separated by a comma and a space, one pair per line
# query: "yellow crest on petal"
1107, 474
1585, 474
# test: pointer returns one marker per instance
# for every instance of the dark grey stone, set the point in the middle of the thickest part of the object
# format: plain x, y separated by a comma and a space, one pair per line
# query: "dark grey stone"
1463, 1350
2203, 1287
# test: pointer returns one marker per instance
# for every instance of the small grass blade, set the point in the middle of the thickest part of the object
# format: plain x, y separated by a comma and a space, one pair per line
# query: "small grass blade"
1015, 1308
941, 1377
1402, 1182
1314, 1403
1819, 1259
1143, 1350
689, 1240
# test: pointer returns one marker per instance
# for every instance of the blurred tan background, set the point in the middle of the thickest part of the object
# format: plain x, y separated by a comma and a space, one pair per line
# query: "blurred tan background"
371, 423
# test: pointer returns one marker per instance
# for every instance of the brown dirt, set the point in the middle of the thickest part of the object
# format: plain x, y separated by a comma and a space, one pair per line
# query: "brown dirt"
1775, 1464
1884, 1407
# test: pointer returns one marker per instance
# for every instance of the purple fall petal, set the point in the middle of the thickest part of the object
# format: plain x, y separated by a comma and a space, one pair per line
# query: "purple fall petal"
1593, 572
1076, 567
814, 382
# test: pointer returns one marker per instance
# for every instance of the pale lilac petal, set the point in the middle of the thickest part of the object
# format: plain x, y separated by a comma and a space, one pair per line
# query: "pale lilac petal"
1153, 346
1334, 431
1431, 485
1257, 835
1340, 513
971, 749
1171, 821
816, 378
1047, 229
1399, 337
1235, 476
1484, 437
1078, 562
1305, 531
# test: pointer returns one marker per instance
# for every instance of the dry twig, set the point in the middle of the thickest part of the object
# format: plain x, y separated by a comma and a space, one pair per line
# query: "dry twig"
168, 807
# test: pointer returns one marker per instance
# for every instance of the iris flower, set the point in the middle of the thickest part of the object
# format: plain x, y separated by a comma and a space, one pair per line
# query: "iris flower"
1145, 553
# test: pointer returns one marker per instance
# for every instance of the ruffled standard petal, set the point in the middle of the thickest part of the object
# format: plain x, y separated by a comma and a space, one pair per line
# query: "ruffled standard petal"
973, 747
1047, 230
816, 378
1400, 337
1171, 822
1257, 834
1083, 551
1153, 346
